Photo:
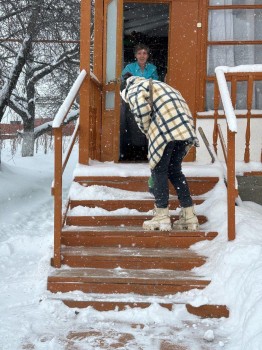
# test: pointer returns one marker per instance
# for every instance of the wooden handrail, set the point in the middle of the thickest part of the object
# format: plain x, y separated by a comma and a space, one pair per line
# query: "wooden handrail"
246, 73
241, 76
240, 114
70, 147
230, 158
67, 104
226, 99
249, 74
61, 162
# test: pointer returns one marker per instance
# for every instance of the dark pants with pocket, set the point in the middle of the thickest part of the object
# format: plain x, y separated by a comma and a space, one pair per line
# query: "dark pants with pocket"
170, 167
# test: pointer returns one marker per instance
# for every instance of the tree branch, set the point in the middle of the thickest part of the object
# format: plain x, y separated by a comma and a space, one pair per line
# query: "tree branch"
44, 128
6, 91
14, 13
66, 56
17, 108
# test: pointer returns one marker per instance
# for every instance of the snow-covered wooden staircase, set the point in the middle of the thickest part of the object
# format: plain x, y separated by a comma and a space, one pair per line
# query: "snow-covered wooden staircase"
107, 255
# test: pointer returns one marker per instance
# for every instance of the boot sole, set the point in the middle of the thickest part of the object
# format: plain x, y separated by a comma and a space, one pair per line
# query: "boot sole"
188, 227
161, 227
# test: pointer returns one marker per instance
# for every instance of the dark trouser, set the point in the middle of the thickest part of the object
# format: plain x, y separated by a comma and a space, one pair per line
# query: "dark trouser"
133, 143
169, 167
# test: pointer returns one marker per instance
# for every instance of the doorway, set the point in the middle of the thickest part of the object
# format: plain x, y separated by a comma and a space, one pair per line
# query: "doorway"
148, 24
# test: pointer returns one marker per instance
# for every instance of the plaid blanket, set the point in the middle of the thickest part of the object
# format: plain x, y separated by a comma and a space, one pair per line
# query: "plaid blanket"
168, 120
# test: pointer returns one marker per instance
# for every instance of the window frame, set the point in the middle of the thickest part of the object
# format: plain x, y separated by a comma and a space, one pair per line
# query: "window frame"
207, 78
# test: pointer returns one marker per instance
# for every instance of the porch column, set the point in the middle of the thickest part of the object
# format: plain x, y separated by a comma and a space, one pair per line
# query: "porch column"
84, 137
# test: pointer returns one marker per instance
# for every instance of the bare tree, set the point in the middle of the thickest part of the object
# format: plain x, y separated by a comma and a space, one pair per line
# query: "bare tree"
25, 104
31, 31
50, 64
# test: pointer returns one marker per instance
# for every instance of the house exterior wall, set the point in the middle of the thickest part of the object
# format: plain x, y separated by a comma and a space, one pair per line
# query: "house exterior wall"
188, 72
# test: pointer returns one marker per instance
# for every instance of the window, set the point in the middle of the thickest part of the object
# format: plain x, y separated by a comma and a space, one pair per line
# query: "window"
234, 38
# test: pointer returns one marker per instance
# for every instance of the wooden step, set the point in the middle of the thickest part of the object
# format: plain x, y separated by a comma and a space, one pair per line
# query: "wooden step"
131, 236
252, 173
208, 311
131, 258
203, 311
197, 185
105, 305
116, 220
143, 282
140, 205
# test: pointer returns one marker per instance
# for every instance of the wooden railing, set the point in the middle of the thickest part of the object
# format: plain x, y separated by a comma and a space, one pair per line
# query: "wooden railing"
249, 75
221, 91
60, 161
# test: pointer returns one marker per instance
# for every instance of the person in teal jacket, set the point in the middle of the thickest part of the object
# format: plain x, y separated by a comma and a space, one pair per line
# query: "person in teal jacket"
141, 68
133, 143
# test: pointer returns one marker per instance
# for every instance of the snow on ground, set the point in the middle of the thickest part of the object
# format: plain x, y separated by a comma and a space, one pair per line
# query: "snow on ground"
31, 319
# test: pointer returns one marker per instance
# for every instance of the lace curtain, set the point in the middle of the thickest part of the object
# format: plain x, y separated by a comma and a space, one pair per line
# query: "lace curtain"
235, 25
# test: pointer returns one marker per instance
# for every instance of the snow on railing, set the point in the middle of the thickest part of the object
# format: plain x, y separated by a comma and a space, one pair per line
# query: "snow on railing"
224, 92
65, 107
230, 113
225, 97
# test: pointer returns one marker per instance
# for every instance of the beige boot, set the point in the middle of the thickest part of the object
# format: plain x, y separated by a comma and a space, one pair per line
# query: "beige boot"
187, 220
161, 220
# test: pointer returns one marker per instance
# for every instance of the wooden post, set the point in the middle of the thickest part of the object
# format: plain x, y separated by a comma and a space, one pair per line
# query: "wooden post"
98, 71
84, 137
216, 106
234, 91
98, 39
231, 190
249, 107
57, 196
119, 53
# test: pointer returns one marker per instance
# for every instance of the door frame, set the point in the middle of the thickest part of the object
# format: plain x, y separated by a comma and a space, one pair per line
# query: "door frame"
112, 137
111, 143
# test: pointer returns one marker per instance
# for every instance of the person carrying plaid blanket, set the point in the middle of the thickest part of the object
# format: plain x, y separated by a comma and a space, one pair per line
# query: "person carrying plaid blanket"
164, 117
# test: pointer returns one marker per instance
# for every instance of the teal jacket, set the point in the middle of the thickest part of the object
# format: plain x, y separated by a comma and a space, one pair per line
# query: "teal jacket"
150, 70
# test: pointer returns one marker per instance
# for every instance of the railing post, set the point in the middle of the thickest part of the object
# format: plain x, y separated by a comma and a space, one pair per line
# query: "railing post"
57, 196
84, 137
231, 186
234, 91
216, 106
250, 84
236, 74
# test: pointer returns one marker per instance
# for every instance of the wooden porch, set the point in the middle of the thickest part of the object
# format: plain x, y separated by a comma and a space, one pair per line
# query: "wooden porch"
99, 246
110, 254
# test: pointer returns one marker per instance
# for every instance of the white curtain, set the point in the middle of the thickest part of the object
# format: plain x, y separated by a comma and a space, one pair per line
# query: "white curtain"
220, 29
227, 25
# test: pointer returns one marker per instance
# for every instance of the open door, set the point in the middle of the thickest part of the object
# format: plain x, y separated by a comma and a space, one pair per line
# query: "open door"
145, 22
112, 67
171, 29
